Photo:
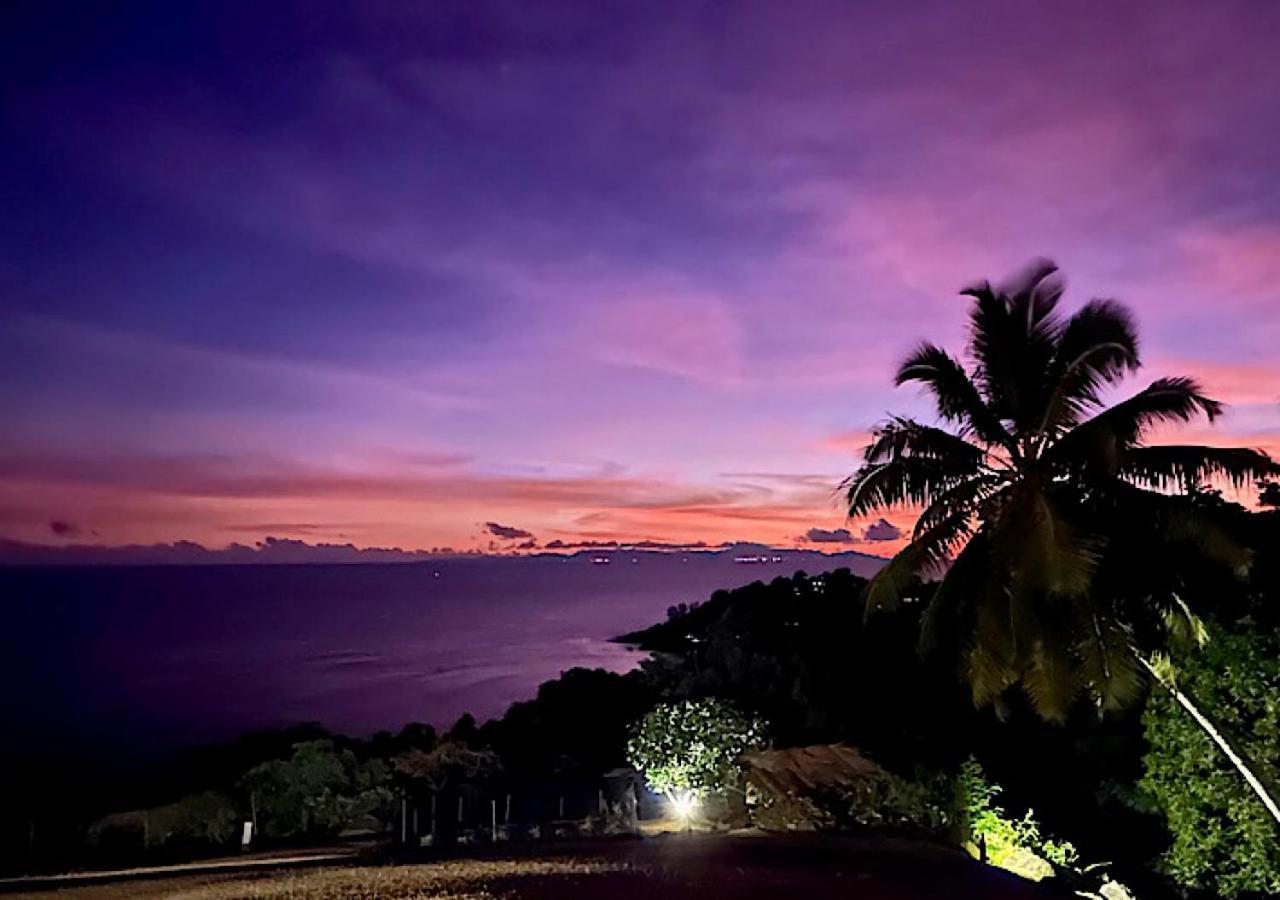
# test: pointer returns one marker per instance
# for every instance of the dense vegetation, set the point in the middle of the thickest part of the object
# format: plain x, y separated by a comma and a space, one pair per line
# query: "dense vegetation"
1222, 837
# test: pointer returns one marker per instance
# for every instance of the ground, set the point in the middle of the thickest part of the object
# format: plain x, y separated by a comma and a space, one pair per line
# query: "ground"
672, 866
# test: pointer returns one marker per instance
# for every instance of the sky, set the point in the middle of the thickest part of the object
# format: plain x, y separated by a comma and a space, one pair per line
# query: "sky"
393, 274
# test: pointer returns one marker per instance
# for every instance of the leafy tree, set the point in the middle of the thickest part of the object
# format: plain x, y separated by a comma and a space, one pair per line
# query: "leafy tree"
1223, 836
691, 748
319, 790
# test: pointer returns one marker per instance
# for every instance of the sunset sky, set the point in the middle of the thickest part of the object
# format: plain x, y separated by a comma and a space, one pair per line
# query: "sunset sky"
396, 274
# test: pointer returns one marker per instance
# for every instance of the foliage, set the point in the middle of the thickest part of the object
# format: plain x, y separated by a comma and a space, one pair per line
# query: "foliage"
692, 746
208, 818
578, 722
319, 790
1005, 839
1269, 494
1223, 837
447, 764
790, 649
1045, 509
915, 806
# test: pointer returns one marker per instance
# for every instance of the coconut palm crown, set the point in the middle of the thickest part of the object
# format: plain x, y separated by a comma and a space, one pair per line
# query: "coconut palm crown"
1056, 529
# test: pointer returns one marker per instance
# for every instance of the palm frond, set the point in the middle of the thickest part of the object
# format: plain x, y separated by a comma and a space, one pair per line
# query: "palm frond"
970, 573
927, 554
967, 496
902, 481
1051, 680
907, 437
955, 395
1097, 347
1186, 466
991, 664
1044, 552
1108, 666
1013, 334
1099, 442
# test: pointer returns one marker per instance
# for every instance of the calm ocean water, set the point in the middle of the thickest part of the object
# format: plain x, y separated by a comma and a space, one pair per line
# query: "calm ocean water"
134, 658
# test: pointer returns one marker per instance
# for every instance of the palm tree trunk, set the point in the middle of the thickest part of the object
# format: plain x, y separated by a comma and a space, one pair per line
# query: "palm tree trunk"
1218, 738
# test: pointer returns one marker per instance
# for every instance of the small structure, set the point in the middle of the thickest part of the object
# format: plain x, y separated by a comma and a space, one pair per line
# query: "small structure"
807, 788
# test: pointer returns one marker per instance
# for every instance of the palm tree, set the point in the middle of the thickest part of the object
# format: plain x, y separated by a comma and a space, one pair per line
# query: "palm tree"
1055, 528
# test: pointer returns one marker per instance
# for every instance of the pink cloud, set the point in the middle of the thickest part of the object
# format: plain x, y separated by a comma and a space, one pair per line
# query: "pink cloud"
1241, 266
683, 333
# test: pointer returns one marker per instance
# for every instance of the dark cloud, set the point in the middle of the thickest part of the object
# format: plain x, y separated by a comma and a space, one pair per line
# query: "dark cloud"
64, 529
829, 536
530, 544
881, 530
507, 532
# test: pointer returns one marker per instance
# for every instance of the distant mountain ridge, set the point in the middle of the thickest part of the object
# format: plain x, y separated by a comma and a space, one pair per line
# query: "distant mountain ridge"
285, 551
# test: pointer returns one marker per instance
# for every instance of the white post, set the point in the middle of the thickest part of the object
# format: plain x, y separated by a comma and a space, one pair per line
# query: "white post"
493, 820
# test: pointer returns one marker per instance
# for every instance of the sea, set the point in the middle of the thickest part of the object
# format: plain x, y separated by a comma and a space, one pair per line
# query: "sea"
142, 659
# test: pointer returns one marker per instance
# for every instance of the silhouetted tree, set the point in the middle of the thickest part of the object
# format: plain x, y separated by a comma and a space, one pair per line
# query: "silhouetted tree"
1063, 523
1269, 494
578, 722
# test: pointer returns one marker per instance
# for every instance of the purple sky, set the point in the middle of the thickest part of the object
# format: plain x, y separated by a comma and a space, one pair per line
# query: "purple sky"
391, 272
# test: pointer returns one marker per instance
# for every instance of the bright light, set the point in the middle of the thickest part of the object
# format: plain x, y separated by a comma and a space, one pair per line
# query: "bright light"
684, 805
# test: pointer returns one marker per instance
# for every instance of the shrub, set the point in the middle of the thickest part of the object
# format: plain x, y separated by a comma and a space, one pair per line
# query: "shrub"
690, 748
1009, 843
